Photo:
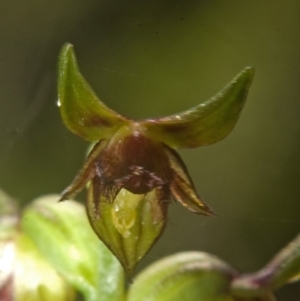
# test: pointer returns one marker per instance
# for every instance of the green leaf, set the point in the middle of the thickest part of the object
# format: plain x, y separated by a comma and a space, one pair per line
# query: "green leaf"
83, 113
34, 279
186, 276
207, 123
129, 226
63, 235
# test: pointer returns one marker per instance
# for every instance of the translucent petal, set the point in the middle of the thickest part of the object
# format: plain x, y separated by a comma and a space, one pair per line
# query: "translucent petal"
83, 113
129, 225
208, 122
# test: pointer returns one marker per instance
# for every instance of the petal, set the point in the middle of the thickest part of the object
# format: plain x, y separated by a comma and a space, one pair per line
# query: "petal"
83, 113
182, 187
208, 122
130, 225
85, 174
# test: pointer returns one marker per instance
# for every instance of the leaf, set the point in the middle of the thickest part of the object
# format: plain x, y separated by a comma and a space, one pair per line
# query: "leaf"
83, 113
207, 123
63, 235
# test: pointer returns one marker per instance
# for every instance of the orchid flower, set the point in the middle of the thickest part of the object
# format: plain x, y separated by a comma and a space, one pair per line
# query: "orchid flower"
133, 171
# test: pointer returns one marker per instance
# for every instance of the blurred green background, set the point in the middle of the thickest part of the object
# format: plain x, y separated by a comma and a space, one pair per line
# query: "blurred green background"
156, 58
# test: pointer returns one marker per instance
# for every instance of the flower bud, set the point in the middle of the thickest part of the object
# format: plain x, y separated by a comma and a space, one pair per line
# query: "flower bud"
186, 276
62, 234
34, 278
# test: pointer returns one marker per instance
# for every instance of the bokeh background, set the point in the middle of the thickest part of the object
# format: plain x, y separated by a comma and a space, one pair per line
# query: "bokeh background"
156, 58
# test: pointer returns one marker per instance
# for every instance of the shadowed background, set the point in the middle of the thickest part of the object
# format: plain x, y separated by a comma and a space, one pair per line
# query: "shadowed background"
156, 58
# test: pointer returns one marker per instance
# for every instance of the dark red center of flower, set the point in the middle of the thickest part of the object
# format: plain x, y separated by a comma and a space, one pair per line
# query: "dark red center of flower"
134, 162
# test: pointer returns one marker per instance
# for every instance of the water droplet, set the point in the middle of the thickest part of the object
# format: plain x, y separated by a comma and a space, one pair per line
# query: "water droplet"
58, 103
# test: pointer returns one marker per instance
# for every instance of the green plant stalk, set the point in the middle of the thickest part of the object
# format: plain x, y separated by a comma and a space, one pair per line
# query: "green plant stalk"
282, 269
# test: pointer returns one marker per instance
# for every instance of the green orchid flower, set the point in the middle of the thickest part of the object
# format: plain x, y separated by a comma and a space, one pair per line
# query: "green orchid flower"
133, 171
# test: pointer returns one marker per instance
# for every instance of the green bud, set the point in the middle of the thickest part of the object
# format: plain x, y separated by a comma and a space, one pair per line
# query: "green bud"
186, 276
189, 276
62, 233
34, 279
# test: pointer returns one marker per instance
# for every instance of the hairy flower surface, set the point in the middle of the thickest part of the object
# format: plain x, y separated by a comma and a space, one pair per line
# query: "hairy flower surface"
133, 170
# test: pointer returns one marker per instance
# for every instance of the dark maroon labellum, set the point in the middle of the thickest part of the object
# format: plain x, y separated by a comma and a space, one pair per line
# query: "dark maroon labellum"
135, 163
